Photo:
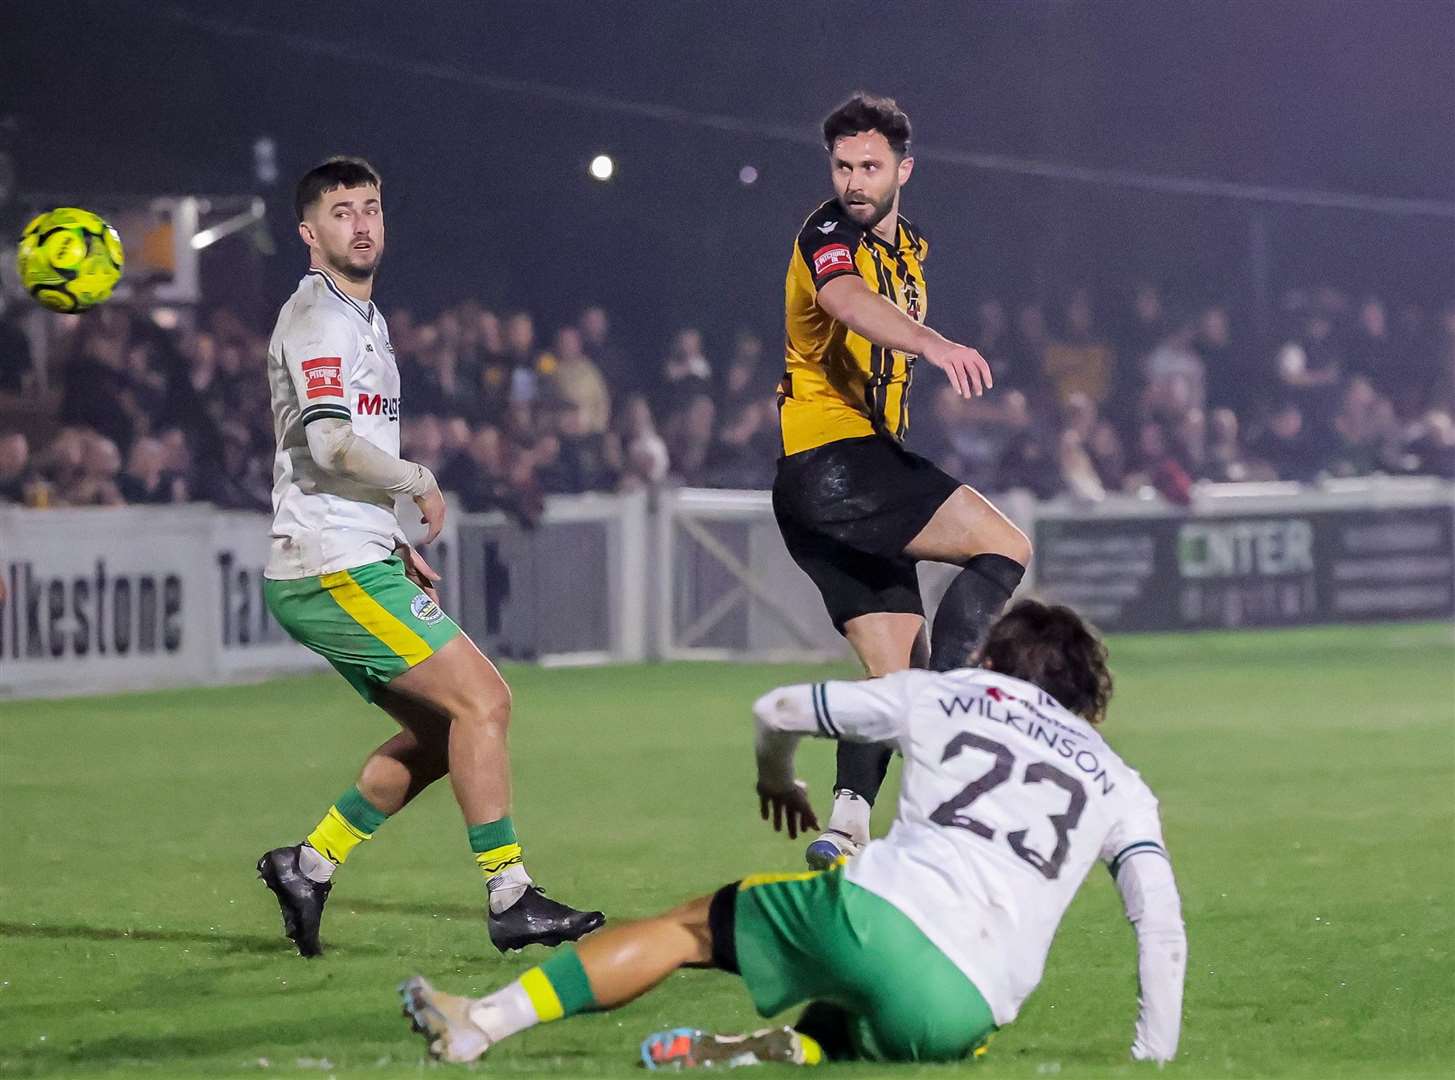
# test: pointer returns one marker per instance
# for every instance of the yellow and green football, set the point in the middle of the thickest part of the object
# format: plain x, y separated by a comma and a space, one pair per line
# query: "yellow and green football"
69, 259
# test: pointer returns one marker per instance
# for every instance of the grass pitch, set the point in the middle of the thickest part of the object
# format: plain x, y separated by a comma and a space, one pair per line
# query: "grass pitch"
1307, 780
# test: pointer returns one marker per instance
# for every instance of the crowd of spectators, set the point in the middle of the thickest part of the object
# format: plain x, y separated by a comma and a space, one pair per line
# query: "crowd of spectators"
1090, 397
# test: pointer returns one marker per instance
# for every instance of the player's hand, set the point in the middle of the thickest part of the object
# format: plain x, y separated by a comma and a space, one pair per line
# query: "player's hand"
966, 369
420, 572
791, 807
432, 512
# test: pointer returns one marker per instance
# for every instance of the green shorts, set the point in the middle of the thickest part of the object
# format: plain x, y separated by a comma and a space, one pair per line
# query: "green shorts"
880, 988
371, 623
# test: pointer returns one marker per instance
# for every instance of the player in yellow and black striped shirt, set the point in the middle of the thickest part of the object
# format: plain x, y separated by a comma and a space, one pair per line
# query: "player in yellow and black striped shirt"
856, 509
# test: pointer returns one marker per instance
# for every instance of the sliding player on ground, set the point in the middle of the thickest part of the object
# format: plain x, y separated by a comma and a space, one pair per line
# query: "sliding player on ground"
856, 509
918, 948
342, 580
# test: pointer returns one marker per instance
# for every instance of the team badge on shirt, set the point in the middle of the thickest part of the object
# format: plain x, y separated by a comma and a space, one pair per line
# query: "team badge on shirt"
425, 610
325, 377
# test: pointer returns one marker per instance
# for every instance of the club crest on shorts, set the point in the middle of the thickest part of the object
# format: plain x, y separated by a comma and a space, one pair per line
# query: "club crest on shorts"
425, 610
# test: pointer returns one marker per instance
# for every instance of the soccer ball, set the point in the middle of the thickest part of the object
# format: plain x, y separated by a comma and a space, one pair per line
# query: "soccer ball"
69, 259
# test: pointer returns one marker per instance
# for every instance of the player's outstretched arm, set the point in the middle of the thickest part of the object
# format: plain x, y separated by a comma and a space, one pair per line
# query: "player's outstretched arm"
1149, 893
337, 448
849, 300
870, 710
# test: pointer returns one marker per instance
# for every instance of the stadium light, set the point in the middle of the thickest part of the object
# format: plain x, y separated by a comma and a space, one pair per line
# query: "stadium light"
602, 167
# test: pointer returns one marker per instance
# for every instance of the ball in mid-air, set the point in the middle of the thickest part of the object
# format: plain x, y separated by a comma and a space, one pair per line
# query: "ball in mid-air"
69, 259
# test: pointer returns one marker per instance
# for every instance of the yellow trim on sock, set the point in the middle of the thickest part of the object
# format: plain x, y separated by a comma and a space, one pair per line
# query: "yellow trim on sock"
812, 1051
543, 996
753, 880
495, 860
334, 837
375, 618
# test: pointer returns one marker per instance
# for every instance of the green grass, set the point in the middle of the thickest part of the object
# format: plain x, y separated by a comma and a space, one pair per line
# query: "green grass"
1307, 781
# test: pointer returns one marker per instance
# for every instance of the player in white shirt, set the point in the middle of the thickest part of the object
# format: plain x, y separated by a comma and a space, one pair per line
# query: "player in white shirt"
918, 948
342, 580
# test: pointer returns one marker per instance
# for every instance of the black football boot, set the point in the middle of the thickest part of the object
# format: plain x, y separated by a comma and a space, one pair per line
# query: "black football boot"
536, 919
300, 898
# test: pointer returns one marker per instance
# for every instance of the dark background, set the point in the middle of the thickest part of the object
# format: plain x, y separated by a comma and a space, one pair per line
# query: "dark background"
482, 119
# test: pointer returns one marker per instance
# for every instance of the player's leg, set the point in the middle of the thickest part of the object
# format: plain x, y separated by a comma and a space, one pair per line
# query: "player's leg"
885, 642
603, 972
398, 770
606, 970
460, 683
968, 531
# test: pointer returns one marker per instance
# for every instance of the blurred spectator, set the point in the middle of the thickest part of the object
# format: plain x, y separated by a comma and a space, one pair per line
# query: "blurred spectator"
423, 442
571, 379
746, 448
1027, 354
685, 371
16, 474
17, 370
744, 382
1173, 375
1310, 368
1229, 379
239, 480
969, 436
1226, 460
1026, 463
1441, 383
689, 437
521, 356
62, 463
1107, 455
97, 388
644, 453
485, 478
1288, 446
1158, 467
1189, 443
95, 484
585, 460
1145, 328
992, 332
146, 479
609, 357
1079, 360
1432, 444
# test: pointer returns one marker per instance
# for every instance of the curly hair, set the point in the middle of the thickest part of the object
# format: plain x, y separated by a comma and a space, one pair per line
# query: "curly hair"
1052, 647
868, 112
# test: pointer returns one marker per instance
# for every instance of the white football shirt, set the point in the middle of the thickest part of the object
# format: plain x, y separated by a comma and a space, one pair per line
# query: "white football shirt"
329, 357
1006, 801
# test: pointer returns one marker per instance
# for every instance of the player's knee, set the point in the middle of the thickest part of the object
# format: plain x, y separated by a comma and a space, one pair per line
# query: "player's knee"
487, 706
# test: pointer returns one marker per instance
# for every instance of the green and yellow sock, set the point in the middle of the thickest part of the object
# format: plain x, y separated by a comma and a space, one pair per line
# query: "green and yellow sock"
349, 821
553, 991
500, 859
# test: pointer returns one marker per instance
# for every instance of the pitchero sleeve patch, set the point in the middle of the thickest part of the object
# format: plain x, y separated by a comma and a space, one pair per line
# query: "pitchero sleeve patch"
324, 375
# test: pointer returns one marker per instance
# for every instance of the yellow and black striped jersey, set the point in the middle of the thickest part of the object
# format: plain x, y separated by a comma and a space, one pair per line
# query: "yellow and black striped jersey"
837, 384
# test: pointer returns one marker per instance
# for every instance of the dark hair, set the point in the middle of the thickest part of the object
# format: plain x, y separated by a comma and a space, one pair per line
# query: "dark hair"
1052, 647
337, 172
868, 112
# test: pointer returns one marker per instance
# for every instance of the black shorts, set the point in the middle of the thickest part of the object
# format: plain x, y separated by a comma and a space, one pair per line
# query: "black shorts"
847, 510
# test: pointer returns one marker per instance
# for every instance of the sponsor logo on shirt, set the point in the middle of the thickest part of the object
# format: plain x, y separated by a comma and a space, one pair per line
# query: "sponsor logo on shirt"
425, 610
830, 258
325, 377
378, 405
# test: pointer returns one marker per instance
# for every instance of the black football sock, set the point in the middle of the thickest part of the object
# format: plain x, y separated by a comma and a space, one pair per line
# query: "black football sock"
861, 769
971, 604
